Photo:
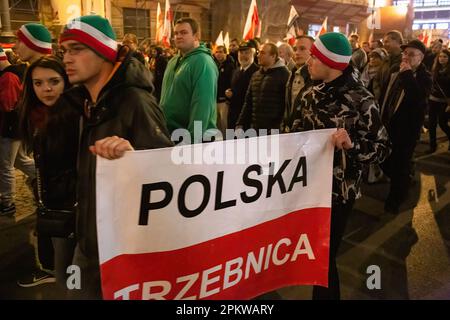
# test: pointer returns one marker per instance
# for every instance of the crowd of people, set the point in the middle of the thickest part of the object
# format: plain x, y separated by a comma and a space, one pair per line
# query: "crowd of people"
93, 97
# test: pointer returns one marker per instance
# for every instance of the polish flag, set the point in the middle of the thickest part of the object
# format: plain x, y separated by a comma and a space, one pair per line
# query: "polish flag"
292, 30
219, 41
429, 38
253, 24
323, 29
159, 25
167, 30
226, 40
370, 38
426, 37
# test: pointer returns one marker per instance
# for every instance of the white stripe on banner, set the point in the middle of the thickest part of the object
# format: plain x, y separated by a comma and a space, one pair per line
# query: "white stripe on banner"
142, 175
333, 56
35, 41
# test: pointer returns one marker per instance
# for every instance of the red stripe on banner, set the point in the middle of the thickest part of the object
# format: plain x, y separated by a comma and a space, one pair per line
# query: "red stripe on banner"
240, 265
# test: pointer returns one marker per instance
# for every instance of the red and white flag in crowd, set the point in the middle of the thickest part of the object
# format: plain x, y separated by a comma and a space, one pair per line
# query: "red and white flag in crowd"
292, 26
323, 28
226, 41
219, 40
167, 30
371, 39
225, 230
252, 27
426, 37
159, 25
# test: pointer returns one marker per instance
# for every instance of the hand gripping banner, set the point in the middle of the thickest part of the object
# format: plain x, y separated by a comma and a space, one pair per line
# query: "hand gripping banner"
216, 229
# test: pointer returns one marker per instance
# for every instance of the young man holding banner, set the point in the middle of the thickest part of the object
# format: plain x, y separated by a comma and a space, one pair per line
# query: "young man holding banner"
340, 101
118, 113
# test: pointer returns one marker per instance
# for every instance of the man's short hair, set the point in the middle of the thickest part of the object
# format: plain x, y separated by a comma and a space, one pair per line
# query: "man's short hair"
305, 37
222, 48
355, 36
234, 40
192, 22
130, 37
273, 49
395, 35
289, 50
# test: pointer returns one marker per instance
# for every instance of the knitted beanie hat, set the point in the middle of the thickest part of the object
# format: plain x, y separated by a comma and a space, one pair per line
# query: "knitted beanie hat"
36, 37
333, 49
95, 32
3, 56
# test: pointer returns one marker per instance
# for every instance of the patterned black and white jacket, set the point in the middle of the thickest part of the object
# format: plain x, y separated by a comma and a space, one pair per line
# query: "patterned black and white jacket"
346, 103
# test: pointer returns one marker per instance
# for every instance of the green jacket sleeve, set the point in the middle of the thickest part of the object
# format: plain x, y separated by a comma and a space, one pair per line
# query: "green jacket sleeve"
203, 102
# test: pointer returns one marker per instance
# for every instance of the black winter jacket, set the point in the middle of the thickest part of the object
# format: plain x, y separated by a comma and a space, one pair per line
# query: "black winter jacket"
404, 103
226, 70
239, 85
126, 108
265, 99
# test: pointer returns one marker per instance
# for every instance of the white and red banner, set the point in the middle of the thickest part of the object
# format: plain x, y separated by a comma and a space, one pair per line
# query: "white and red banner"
215, 231
252, 28
292, 26
167, 27
159, 25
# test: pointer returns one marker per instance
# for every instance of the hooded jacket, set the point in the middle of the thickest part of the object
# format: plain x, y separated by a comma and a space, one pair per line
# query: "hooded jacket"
265, 99
189, 91
126, 108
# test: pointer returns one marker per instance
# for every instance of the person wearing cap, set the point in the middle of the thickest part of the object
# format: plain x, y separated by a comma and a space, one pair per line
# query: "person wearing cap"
263, 108
119, 113
376, 59
240, 81
33, 41
341, 101
403, 106
189, 89
298, 83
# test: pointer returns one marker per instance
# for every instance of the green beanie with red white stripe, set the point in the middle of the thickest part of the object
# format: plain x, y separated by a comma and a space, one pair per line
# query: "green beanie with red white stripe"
333, 49
36, 37
3, 56
95, 32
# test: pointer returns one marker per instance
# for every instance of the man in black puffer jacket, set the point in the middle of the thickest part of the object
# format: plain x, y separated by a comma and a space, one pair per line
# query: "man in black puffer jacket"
119, 113
265, 99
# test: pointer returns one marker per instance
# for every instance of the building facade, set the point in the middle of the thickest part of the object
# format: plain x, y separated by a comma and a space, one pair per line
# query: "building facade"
430, 15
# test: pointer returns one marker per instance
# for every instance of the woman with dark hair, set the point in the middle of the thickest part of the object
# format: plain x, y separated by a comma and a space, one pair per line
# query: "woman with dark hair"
440, 98
55, 160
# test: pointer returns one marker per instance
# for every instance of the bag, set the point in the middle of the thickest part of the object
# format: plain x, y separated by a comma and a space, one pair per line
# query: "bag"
55, 223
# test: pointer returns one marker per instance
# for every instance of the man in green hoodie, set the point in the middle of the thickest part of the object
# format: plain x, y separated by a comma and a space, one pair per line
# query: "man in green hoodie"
189, 88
